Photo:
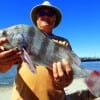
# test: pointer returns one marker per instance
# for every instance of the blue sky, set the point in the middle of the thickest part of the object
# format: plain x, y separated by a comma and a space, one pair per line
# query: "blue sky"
80, 23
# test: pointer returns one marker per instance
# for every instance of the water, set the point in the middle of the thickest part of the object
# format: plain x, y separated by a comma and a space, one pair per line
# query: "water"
8, 77
92, 65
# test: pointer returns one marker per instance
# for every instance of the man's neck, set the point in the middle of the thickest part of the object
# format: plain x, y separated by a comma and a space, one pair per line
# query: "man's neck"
47, 32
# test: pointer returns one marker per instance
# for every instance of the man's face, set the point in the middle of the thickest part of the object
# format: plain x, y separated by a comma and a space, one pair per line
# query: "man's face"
46, 19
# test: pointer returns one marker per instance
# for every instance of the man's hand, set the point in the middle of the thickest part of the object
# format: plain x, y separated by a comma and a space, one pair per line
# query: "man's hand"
8, 57
62, 73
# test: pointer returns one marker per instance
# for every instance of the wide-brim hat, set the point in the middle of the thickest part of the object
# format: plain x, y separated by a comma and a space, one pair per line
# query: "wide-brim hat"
46, 4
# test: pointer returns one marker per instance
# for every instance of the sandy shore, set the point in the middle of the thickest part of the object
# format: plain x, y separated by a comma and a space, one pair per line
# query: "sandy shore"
76, 87
5, 92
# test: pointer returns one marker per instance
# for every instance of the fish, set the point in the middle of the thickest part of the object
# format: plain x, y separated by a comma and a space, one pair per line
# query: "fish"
39, 49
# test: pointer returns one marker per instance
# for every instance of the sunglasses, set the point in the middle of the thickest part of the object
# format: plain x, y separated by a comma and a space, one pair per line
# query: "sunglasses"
43, 13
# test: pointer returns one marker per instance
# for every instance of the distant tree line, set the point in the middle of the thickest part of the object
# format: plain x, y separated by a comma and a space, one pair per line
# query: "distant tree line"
90, 59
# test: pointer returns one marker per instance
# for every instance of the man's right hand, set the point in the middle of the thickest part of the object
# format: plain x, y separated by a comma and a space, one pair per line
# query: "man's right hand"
8, 57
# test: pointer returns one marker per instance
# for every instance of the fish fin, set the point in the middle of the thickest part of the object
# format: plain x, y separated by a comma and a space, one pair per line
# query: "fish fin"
25, 57
93, 83
76, 59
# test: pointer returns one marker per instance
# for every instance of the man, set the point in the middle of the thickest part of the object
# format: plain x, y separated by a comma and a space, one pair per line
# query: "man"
45, 84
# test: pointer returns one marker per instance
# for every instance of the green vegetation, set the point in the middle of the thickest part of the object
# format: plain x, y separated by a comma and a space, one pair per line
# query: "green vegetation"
90, 58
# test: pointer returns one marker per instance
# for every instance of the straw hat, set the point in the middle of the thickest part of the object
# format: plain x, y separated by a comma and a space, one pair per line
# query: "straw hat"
45, 4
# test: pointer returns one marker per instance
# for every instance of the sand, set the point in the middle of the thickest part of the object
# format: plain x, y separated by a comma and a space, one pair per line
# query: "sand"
5, 92
76, 87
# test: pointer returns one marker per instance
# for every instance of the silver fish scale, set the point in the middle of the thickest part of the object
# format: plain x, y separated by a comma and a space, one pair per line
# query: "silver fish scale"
38, 40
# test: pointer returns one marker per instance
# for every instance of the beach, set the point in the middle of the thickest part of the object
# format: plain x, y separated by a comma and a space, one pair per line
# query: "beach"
76, 89
5, 92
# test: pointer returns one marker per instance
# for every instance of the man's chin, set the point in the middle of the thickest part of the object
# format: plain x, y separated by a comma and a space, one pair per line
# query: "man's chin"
46, 26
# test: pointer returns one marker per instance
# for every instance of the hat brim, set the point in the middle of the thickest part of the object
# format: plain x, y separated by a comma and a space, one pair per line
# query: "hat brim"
35, 10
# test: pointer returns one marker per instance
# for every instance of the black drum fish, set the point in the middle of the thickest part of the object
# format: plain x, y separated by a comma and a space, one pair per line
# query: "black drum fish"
39, 49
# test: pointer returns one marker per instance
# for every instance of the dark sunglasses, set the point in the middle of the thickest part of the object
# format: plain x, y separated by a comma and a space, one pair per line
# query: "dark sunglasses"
43, 13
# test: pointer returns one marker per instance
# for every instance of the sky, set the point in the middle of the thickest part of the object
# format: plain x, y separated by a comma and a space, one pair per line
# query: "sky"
80, 22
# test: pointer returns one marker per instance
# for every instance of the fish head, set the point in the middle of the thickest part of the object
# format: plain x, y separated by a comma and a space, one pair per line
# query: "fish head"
14, 36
